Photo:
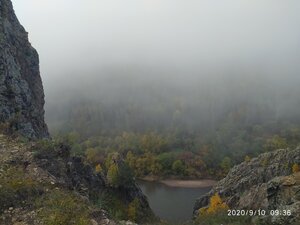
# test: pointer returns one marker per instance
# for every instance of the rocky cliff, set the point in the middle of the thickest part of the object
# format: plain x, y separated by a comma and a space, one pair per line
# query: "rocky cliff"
265, 182
21, 90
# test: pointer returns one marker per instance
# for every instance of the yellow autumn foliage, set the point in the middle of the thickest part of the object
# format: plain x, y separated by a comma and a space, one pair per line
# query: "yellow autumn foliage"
98, 168
295, 168
202, 211
247, 158
215, 205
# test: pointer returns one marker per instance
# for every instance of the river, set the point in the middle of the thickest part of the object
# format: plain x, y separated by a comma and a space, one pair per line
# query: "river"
174, 204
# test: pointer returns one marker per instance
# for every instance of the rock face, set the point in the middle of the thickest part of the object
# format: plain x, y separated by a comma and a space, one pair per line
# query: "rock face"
68, 171
21, 90
266, 182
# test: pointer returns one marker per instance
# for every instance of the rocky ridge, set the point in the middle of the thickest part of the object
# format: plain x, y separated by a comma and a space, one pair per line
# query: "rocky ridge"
265, 182
48, 172
21, 89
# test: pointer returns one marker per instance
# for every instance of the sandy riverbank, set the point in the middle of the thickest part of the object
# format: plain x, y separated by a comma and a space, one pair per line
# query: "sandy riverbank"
189, 183
182, 183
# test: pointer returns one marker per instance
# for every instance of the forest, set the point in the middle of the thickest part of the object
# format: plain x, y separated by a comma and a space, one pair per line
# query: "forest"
166, 130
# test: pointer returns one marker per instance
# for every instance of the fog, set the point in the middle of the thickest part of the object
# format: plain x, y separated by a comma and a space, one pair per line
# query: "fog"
212, 54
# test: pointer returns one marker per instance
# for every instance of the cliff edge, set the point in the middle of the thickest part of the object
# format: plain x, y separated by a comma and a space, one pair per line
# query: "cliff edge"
21, 89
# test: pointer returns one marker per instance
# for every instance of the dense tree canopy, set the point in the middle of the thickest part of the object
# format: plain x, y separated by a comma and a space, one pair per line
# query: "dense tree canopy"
178, 132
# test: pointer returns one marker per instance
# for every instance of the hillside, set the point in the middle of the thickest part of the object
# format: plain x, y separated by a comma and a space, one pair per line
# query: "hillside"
269, 182
47, 186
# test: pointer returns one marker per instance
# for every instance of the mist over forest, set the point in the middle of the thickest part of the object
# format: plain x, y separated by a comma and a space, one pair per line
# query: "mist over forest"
134, 102
223, 74
163, 112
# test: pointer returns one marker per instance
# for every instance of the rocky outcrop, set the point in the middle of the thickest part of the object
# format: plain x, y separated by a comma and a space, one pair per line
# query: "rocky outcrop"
73, 173
21, 90
68, 171
283, 193
265, 182
50, 165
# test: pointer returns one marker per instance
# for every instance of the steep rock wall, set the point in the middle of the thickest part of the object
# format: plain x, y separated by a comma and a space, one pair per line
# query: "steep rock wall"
21, 89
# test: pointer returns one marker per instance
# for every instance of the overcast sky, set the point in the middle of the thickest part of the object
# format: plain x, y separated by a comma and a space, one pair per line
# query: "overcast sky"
78, 36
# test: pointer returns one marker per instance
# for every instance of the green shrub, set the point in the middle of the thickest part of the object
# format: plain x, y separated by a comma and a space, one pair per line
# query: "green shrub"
113, 204
43, 147
16, 187
62, 208
118, 172
133, 209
